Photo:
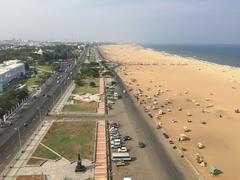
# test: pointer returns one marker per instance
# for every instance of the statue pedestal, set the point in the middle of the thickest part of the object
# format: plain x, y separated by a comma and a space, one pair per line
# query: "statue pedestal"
80, 167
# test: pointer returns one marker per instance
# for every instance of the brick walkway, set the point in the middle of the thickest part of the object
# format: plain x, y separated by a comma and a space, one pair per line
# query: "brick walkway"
100, 172
101, 105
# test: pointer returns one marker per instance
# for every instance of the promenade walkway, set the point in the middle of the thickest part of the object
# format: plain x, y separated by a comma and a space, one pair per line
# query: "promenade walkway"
100, 172
101, 105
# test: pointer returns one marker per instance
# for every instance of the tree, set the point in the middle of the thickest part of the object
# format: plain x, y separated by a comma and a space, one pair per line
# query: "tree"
92, 84
89, 69
78, 80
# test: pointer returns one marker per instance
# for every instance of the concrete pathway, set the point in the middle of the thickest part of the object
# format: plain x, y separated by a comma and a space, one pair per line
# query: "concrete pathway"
59, 170
62, 101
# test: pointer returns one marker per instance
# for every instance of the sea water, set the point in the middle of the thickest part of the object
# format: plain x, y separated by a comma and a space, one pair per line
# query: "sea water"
219, 54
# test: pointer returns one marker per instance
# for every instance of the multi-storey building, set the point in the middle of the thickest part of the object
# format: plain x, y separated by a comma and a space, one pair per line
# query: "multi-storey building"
10, 70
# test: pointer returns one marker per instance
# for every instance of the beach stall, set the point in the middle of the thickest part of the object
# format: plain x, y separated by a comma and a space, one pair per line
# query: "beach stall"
183, 137
214, 170
237, 110
186, 129
200, 145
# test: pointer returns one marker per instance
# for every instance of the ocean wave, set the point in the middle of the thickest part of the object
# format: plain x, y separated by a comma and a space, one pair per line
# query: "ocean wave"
194, 58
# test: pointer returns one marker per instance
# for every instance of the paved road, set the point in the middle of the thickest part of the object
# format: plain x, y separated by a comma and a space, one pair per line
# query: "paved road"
34, 112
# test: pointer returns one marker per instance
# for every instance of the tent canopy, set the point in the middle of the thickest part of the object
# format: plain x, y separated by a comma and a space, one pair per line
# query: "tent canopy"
214, 170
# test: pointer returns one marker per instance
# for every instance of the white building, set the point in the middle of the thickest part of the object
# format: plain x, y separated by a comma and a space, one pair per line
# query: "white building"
10, 70
40, 52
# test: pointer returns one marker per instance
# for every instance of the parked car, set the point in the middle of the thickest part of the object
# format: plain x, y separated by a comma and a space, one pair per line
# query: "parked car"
120, 163
113, 130
126, 138
115, 136
116, 125
115, 146
122, 149
141, 145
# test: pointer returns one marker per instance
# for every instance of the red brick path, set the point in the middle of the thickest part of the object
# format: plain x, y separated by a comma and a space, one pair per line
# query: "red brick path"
100, 172
101, 105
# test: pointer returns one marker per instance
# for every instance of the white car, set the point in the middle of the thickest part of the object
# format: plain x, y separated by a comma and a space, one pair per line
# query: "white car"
122, 149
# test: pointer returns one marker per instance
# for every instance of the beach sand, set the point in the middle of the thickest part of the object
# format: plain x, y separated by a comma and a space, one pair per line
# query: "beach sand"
207, 92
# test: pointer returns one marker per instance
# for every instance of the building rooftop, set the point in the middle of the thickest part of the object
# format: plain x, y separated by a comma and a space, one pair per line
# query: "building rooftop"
8, 65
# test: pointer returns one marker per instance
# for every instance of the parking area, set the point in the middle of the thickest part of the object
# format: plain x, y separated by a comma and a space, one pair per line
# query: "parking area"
127, 150
136, 166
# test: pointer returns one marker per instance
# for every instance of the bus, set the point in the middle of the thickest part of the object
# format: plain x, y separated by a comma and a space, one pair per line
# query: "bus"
121, 157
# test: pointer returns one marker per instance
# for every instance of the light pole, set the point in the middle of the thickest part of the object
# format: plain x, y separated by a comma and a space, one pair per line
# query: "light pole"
19, 137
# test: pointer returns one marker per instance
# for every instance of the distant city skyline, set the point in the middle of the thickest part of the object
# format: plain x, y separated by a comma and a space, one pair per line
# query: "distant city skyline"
137, 21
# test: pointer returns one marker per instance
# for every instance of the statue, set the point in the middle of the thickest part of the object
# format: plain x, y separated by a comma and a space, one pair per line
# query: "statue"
80, 167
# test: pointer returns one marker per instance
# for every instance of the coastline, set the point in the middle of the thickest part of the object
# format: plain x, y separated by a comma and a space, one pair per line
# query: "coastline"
211, 87
187, 57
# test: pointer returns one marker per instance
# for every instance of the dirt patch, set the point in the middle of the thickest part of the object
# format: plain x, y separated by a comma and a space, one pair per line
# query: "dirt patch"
30, 178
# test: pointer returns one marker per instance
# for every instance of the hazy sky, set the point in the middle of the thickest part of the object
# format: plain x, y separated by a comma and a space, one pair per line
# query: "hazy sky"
157, 21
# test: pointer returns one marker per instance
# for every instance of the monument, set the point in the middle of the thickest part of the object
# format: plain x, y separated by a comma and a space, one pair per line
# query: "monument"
80, 167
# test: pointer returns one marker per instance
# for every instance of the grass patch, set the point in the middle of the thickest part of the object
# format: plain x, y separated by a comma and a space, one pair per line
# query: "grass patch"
45, 68
32, 81
43, 152
34, 161
86, 88
69, 138
81, 107
92, 57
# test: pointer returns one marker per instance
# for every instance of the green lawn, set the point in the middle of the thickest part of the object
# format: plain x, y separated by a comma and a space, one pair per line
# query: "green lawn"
32, 81
80, 90
33, 161
43, 152
92, 57
83, 107
45, 68
69, 138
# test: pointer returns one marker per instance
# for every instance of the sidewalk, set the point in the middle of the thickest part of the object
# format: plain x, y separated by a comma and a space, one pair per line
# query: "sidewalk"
61, 102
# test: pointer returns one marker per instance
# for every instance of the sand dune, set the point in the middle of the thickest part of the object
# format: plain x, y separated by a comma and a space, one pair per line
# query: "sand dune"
190, 92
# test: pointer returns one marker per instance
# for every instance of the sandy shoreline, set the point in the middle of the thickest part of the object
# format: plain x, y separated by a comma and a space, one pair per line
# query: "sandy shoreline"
189, 92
